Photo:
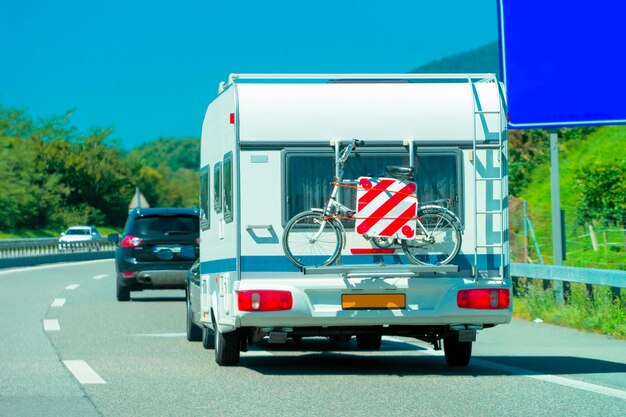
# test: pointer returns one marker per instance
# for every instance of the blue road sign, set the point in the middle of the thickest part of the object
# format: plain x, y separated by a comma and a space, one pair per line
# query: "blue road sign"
563, 62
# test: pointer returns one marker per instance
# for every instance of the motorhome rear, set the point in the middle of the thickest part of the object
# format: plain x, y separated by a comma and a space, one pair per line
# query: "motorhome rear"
269, 151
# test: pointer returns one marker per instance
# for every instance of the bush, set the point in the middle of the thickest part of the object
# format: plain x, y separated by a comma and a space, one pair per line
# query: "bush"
598, 314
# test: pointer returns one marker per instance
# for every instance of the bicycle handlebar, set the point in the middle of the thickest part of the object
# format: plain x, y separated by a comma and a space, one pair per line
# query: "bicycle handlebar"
348, 149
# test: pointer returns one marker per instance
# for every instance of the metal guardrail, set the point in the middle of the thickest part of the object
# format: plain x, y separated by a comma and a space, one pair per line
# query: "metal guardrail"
15, 248
29, 252
608, 277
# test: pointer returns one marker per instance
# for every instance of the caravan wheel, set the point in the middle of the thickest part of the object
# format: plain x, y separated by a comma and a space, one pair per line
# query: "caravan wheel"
226, 348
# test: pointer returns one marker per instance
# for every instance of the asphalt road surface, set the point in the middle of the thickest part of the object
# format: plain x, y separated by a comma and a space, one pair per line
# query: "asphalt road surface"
69, 349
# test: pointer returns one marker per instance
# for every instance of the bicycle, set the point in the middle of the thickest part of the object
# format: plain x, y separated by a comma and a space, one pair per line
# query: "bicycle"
316, 237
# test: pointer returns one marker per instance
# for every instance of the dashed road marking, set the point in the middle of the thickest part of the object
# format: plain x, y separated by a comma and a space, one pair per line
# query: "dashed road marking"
51, 325
58, 302
72, 287
83, 372
512, 370
100, 276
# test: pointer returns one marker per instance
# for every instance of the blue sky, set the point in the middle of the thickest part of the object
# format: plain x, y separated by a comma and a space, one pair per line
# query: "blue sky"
149, 68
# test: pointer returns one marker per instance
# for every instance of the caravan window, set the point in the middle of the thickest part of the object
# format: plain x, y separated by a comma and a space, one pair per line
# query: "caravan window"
309, 175
205, 214
438, 176
227, 182
217, 187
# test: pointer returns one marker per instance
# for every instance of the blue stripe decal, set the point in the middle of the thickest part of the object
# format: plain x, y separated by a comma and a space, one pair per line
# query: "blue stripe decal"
282, 264
218, 265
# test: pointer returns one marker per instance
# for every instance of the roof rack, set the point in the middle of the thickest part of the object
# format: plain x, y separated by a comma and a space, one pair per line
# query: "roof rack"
484, 77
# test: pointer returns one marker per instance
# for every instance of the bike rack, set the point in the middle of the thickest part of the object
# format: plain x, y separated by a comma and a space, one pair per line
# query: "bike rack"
380, 271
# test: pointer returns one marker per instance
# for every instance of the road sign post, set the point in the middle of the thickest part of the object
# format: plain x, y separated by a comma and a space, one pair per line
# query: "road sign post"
555, 194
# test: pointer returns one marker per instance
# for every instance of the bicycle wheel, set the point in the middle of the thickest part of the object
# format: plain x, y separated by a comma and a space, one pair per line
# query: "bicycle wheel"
300, 247
440, 245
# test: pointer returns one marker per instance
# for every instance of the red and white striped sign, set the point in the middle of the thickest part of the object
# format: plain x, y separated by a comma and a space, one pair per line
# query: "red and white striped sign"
386, 207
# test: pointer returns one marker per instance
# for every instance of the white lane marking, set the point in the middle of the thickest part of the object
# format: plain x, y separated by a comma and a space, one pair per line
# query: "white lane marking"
83, 372
50, 266
51, 325
559, 380
58, 302
72, 287
100, 276
159, 334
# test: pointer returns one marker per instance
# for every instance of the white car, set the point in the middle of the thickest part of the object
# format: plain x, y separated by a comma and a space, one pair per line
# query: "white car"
79, 237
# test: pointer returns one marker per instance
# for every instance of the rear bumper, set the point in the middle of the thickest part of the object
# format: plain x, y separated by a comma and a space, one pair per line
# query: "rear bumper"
146, 275
155, 279
318, 302
163, 279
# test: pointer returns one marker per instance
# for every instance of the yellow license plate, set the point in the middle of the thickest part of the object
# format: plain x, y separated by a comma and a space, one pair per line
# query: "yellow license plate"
373, 301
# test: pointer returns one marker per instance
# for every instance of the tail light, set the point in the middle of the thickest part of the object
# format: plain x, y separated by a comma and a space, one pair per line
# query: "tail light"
484, 298
264, 300
131, 241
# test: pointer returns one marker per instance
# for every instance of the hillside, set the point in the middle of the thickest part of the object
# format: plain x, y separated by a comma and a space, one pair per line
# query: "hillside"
604, 145
480, 60
169, 168
173, 152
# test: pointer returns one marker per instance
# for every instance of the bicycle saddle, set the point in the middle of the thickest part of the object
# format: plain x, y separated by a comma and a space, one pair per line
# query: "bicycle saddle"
401, 172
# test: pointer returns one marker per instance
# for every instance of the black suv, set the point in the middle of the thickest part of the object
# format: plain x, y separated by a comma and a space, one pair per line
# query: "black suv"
158, 247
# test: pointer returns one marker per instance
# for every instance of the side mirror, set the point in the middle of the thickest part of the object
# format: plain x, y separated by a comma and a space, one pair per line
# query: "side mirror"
113, 237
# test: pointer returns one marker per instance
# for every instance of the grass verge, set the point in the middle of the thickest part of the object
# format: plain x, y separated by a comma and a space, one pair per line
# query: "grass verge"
599, 314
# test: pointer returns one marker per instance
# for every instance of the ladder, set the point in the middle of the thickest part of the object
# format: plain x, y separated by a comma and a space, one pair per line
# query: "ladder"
492, 179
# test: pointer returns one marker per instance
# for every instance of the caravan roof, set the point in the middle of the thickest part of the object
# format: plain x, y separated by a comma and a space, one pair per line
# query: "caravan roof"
372, 108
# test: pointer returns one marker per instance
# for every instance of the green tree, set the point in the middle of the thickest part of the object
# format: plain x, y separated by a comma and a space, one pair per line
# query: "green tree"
174, 153
29, 196
529, 149
51, 176
98, 177
603, 194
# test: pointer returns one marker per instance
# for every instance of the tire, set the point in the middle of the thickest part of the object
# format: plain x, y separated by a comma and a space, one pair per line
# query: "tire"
208, 338
226, 348
194, 333
122, 293
457, 353
442, 243
368, 341
297, 240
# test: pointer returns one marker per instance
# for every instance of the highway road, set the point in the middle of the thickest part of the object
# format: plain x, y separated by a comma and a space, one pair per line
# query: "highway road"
69, 349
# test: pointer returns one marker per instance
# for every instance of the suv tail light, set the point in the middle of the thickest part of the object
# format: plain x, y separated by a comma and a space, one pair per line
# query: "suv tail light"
484, 298
131, 241
264, 300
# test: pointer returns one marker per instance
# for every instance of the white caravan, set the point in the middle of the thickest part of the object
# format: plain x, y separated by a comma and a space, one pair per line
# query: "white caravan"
271, 147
